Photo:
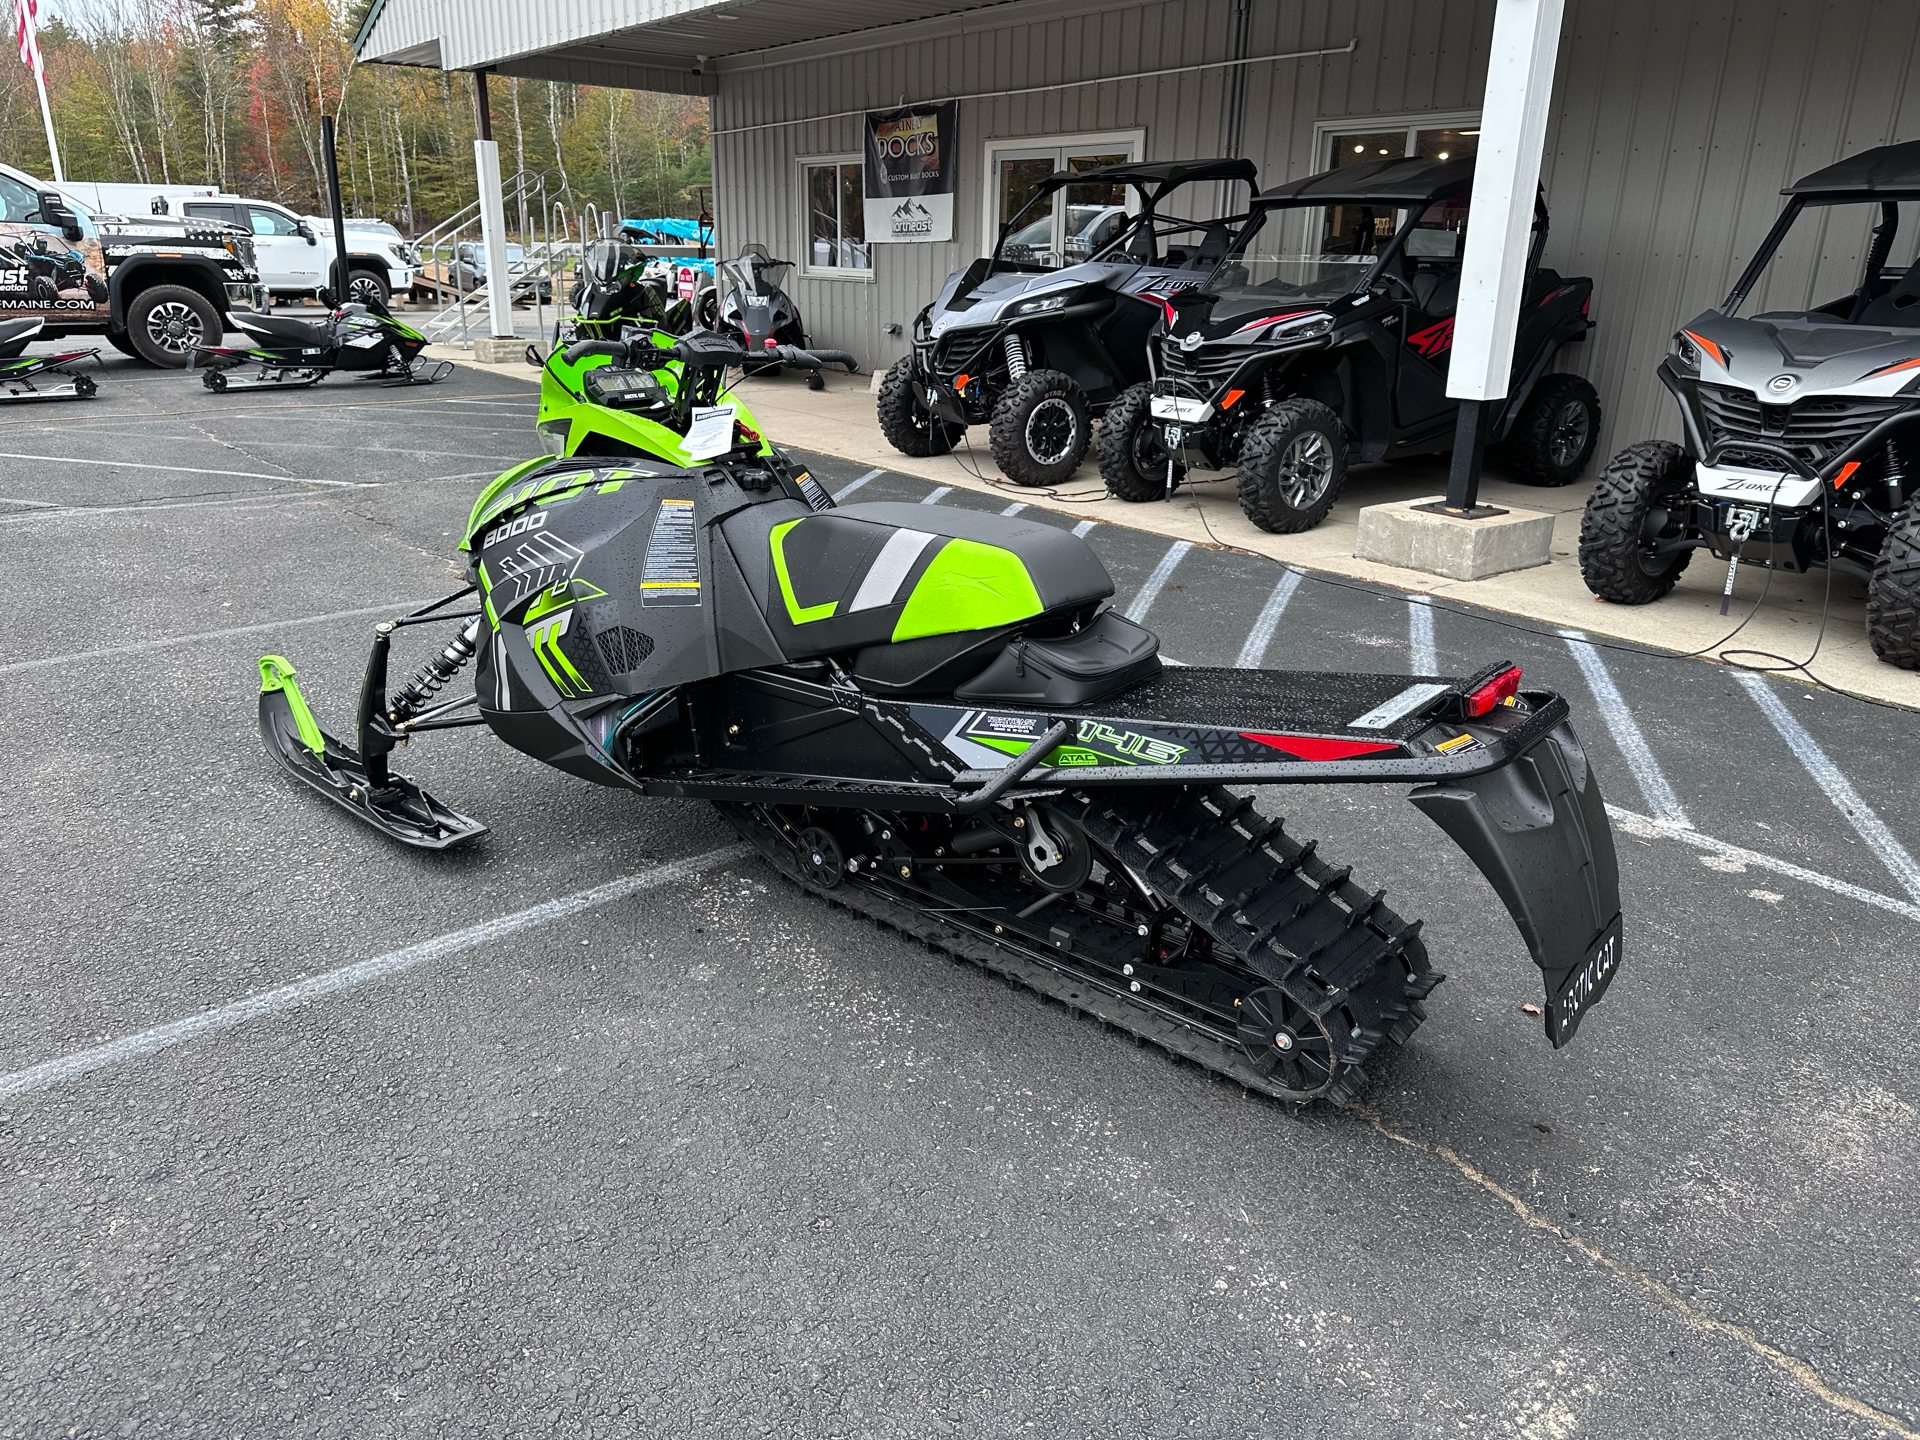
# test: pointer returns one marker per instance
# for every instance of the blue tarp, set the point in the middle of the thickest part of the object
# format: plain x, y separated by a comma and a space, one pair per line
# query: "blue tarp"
666, 229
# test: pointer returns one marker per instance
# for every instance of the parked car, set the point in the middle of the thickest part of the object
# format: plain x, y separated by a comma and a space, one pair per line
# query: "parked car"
156, 286
296, 251
469, 271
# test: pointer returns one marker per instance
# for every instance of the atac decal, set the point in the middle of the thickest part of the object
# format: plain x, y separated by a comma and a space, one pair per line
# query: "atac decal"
1434, 341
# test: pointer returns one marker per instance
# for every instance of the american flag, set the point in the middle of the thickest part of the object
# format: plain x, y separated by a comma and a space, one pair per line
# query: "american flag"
25, 14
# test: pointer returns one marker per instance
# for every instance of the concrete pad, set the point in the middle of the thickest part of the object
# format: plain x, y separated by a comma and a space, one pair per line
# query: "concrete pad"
1452, 545
499, 349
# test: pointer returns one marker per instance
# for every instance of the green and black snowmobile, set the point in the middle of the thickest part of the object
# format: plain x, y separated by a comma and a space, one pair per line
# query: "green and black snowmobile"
934, 717
18, 370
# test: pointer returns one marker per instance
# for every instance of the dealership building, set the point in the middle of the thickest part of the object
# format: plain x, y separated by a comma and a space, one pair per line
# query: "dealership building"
1669, 126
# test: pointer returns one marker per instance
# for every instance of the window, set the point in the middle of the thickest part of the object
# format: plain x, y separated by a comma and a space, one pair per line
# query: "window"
19, 204
1081, 218
271, 222
1361, 230
836, 238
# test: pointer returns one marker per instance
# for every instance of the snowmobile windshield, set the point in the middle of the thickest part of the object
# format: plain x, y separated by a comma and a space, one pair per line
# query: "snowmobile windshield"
1830, 262
756, 273
608, 260
1272, 258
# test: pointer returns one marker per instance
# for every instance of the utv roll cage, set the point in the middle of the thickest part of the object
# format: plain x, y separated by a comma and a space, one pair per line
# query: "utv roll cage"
1887, 174
1135, 239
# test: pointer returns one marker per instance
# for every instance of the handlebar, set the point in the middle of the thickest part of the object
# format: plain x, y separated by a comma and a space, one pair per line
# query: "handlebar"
715, 351
582, 349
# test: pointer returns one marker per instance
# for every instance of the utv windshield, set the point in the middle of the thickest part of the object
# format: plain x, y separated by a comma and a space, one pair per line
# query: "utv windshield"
1837, 263
1271, 258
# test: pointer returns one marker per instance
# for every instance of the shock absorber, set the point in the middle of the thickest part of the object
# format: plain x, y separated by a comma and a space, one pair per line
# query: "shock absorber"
411, 698
1896, 476
1016, 356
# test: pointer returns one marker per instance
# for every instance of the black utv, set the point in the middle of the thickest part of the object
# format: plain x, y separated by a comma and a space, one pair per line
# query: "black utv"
1035, 351
1802, 421
1323, 337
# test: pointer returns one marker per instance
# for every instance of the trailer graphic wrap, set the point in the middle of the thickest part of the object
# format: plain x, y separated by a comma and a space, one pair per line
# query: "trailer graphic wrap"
42, 274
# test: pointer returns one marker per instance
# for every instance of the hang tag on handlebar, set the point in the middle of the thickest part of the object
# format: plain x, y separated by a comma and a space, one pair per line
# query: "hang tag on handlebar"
711, 432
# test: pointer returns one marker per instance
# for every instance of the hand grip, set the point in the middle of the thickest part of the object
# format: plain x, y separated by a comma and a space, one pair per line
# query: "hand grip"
582, 349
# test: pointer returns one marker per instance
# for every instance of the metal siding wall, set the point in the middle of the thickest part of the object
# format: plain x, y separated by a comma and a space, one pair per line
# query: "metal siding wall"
1674, 127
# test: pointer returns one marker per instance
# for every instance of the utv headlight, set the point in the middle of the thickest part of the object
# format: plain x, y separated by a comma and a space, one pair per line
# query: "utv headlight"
1306, 327
1043, 304
1685, 351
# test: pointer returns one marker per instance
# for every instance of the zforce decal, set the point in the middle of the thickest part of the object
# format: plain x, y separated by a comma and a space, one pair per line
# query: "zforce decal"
1434, 341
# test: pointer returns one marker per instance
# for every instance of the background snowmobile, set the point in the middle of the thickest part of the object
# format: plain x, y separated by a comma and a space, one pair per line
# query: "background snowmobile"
364, 339
1802, 424
18, 369
932, 716
1304, 351
753, 303
1033, 351
613, 292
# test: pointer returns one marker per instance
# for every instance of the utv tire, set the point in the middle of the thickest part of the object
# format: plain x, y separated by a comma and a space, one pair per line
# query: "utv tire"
167, 321
1133, 460
910, 427
1893, 594
1041, 428
1292, 465
42, 292
1553, 436
1629, 508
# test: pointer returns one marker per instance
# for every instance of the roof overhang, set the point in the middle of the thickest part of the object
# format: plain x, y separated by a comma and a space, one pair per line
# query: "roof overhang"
666, 45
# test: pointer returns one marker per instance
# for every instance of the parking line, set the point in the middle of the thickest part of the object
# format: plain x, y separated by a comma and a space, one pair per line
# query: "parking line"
1085, 528
1626, 733
171, 642
1157, 581
183, 469
1015, 508
348, 977
1651, 829
1420, 656
937, 494
856, 484
1254, 652
261, 498
1839, 790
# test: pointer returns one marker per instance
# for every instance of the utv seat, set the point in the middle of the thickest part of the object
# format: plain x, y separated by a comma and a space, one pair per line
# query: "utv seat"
883, 574
1900, 306
1437, 291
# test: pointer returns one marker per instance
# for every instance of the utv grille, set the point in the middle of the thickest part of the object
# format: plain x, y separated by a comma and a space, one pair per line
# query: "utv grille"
624, 649
1205, 370
1815, 429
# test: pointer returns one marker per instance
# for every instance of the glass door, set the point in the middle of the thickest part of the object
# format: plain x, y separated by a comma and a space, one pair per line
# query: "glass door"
1079, 219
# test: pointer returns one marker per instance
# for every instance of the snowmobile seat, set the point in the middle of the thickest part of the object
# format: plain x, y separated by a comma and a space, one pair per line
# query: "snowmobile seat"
879, 574
14, 335
282, 330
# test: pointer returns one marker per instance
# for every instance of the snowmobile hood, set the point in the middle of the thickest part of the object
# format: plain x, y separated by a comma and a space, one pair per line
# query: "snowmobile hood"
1784, 358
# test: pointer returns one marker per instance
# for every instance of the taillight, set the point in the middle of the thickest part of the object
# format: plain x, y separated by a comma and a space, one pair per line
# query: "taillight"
1497, 691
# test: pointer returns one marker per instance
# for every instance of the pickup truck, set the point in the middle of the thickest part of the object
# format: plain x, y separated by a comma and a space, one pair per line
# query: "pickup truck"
295, 251
155, 286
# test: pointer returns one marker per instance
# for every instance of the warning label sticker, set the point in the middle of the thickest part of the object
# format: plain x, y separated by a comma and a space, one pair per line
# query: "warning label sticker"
671, 575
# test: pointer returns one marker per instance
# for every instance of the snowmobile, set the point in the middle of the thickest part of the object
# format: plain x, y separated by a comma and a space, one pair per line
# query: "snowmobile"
362, 338
1036, 352
18, 369
1289, 362
752, 302
650, 403
613, 292
1802, 424
934, 717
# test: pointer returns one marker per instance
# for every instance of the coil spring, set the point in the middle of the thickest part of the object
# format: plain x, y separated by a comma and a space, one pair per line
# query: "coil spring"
1016, 356
1896, 470
433, 676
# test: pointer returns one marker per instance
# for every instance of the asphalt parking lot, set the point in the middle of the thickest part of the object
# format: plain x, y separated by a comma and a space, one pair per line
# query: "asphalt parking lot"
612, 1133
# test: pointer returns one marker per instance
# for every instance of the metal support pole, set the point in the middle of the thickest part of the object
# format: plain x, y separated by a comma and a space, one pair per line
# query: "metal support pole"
338, 271
1493, 272
493, 218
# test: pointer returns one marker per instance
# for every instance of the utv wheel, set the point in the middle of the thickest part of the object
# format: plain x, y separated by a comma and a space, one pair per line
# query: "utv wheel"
1041, 428
366, 288
1643, 498
1893, 595
905, 419
166, 322
1553, 436
1292, 465
1133, 457
42, 292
